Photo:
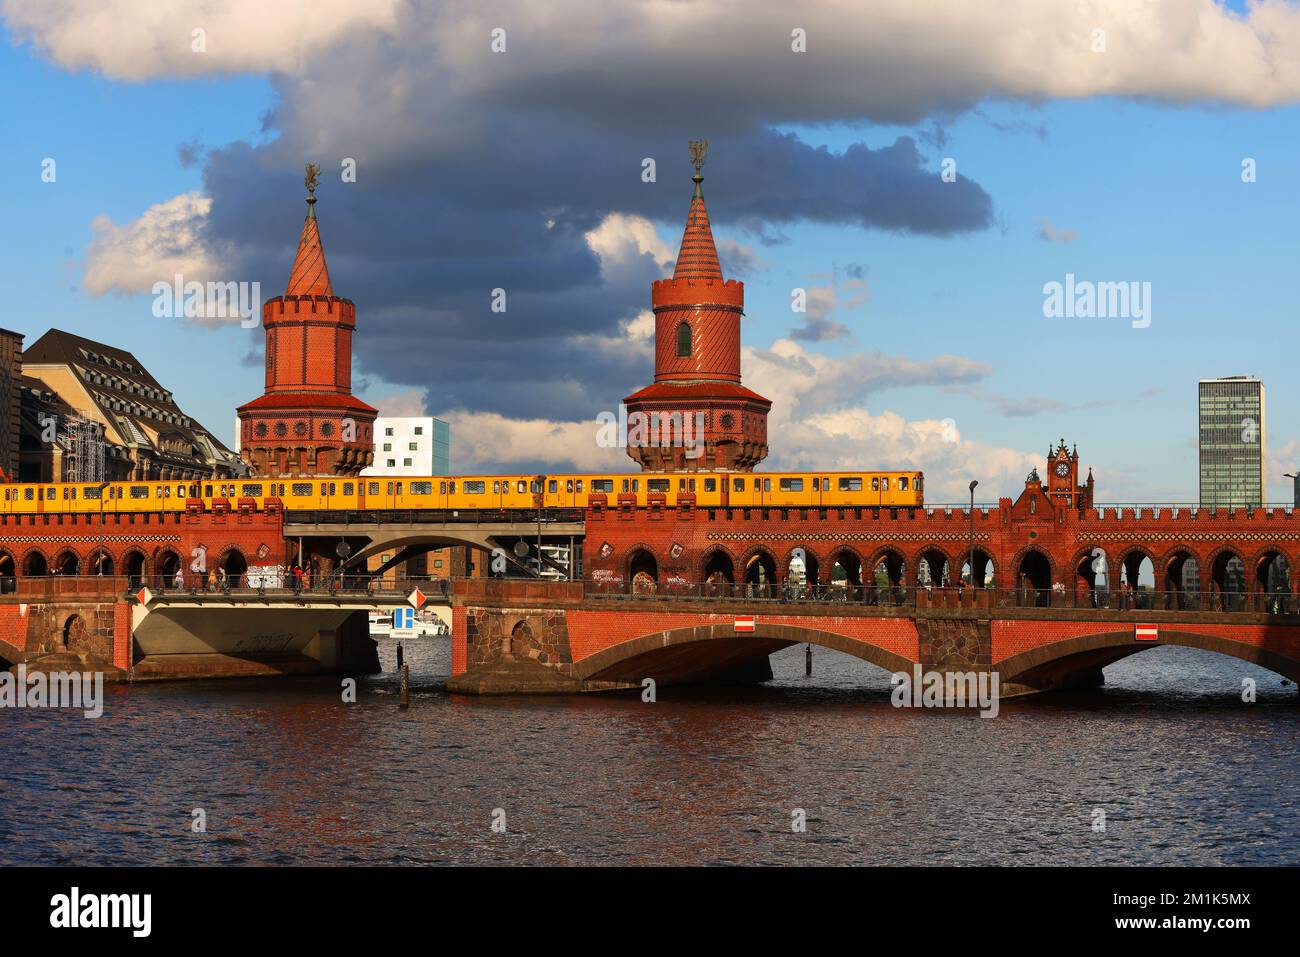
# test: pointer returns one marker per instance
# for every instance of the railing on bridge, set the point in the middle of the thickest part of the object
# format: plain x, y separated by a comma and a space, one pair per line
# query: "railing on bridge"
947, 597
123, 586
463, 516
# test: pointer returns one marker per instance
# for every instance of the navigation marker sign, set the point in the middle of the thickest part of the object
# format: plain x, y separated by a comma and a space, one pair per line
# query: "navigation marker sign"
416, 598
1147, 633
744, 623
144, 596
403, 622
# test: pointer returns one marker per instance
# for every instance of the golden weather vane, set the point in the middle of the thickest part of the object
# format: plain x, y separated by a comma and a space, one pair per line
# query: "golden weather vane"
698, 149
313, 177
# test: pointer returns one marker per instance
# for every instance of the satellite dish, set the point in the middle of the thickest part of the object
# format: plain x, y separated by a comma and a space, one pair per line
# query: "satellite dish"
521, 549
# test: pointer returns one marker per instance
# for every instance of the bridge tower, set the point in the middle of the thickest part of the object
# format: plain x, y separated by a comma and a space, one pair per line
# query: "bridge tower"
308, 422
697, 415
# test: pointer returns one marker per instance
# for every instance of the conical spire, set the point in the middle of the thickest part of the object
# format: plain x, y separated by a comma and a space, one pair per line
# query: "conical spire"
310, 275
698, 256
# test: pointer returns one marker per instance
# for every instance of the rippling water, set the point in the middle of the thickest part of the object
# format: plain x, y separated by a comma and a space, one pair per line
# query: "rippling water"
1185, 772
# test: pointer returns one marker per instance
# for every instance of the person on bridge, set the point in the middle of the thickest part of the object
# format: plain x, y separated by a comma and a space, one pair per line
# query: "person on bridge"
179, 579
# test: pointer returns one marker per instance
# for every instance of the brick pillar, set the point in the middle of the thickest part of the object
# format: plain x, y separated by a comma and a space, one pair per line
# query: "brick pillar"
122, 636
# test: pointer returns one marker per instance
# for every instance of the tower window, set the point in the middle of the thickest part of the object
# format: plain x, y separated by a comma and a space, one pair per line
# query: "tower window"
684, 340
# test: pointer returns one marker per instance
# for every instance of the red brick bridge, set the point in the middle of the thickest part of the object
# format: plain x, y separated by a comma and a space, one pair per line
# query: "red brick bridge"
1061, 588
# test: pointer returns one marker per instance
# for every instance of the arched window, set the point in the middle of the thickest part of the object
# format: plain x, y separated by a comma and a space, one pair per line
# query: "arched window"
684, 340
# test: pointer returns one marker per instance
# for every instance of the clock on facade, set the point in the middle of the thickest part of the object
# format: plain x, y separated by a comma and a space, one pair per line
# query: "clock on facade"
1063, 469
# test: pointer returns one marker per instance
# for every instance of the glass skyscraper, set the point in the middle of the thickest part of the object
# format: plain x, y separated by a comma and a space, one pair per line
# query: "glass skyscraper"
1232, 441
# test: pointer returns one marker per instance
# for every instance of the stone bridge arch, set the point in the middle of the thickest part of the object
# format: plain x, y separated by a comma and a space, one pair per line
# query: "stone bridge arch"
703, 652
1077, 662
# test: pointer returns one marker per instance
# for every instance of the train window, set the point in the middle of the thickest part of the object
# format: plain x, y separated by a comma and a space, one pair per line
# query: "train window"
28, 494
374, 489
917, 484
605, 485
738, 485
817, 484
475, 488
875, 483
826, 483
902, 483
399, 488
681, 485
636, 485
691, 485
884, 484
442, 488
658, 485
496, 487
333, 488
794, 484
254, 491
767, 485
522, 487
180, 491
207, 491
568, 485
626, 483
348, 489
579, 486
65, 493
535, 487
710, 485
421, 488
301, 489
139, 491
390, 488
852, 483
552, 486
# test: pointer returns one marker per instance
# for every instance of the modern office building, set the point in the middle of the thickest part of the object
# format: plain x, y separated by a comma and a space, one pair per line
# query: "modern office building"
418, 445
1232, 441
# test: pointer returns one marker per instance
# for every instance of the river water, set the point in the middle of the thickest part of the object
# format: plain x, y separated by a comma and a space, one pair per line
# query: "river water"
284, 772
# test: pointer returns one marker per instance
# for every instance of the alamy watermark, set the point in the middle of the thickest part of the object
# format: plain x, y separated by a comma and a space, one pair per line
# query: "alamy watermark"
212, 300
79, 690
639, 430
946, 689
1084, 299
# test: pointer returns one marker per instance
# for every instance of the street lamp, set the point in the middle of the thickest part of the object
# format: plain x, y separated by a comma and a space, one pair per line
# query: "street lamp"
99, 491
1295, 487
973, 483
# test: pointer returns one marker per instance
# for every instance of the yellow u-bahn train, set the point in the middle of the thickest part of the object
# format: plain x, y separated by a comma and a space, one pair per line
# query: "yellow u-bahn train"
375, 493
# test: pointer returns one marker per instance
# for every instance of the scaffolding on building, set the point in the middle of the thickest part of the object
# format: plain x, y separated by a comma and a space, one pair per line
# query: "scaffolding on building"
83, 449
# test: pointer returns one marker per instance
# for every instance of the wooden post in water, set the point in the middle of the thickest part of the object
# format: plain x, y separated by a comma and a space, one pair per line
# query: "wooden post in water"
807, 660
405, 701
400, 656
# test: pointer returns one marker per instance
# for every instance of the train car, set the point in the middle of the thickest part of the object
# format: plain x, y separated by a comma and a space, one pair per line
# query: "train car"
478, 492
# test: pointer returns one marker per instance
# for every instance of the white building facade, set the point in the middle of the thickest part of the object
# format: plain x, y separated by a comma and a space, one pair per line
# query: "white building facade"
417, 445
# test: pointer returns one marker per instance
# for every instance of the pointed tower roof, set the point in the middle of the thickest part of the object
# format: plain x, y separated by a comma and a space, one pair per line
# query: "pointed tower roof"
310, 276
698, 256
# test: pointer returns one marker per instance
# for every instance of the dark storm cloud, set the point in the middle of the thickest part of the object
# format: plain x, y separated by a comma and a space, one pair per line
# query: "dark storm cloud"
466, 184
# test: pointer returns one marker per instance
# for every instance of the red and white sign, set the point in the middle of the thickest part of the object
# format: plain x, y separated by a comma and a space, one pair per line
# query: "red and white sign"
416, 598
1147, 633
144, 596
744, 623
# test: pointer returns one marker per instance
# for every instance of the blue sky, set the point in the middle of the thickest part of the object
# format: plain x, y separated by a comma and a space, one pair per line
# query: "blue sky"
1151, 190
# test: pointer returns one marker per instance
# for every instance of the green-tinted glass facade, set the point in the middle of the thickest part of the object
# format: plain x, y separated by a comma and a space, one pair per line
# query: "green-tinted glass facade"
1231, 441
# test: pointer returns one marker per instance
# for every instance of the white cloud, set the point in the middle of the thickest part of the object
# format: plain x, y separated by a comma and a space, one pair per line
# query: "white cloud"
484, 441
621, 237
166, 239
1052, 234
401, 405
140, 39
897, 60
